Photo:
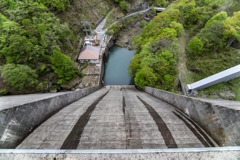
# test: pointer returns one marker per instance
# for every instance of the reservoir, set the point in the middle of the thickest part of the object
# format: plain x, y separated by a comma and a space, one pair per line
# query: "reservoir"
116, 67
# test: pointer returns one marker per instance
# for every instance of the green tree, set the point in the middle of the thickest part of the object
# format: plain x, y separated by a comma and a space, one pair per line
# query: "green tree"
59, 5
134, 65
143, 23
125, 7
63, 67
232, 28
178, 27
145, 77
169, 33
195, 46
222, 16
19, 76
212, 35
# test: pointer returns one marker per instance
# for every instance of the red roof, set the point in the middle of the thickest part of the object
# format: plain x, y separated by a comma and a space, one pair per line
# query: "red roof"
89, 52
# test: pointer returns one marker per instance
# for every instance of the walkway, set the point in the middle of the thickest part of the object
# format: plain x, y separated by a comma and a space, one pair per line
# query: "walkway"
117, 117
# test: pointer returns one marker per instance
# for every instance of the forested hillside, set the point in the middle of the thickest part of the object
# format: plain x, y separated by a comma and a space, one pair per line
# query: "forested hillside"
30, 46
210, 30
36, 46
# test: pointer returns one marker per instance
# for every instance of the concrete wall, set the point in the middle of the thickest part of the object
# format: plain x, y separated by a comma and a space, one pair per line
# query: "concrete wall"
222, 153
17, 122
109, 45
220, 122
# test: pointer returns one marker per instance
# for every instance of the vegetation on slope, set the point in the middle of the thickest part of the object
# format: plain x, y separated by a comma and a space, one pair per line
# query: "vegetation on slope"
214, 29
157, 51
30, 46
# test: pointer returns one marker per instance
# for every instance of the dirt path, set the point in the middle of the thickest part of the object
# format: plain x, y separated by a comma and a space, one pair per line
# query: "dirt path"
182, 67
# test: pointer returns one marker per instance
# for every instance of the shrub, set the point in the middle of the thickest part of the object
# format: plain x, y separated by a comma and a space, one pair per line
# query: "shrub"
3, 92
145, 77
143, 23
125, 7
195, 46
63, 67
19, 76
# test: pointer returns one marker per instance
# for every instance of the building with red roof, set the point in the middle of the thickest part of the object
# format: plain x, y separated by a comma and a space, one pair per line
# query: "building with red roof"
90, 54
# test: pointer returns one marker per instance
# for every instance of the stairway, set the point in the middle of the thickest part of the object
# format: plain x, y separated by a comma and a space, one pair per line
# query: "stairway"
118, 117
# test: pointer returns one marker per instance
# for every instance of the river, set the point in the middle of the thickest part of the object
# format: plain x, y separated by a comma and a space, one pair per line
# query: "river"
116, 67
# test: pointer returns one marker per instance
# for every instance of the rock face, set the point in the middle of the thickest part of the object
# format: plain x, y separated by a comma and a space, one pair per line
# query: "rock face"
126, 36
123, 40
227, 95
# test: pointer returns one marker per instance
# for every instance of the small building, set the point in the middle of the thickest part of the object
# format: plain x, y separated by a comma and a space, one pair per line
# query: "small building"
89, 54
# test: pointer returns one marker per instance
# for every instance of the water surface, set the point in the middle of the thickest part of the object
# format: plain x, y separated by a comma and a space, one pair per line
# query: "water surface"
116, 67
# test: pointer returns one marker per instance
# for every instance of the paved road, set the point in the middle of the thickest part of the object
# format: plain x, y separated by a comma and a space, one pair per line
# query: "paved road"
117, 117
99, 30
130, 15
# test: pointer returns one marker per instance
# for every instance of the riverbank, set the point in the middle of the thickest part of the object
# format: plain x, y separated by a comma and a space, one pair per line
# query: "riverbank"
126, 37
125, 30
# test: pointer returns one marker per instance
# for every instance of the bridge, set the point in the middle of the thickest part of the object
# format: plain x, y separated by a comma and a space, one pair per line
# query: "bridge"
117, 119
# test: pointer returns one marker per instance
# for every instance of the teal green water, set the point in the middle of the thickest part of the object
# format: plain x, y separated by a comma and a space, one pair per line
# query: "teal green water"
116, 67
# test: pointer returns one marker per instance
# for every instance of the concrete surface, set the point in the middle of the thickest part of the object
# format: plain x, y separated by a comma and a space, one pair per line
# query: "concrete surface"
7, 102
105, 128
53, 132
99, 30
222, 153
17, 121
221, 122
220, 102
117, 117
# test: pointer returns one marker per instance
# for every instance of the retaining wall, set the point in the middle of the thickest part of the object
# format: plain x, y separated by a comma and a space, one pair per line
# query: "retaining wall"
17, 122
220, 122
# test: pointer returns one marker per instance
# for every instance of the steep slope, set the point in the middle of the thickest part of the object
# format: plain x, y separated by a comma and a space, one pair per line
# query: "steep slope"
212, 45
36, 47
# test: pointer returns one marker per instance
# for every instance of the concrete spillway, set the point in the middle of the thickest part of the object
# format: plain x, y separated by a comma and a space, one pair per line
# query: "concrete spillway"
117, 117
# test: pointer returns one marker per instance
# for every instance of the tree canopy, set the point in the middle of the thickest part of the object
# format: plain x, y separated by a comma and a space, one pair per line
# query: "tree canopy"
19, 76
30, 36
